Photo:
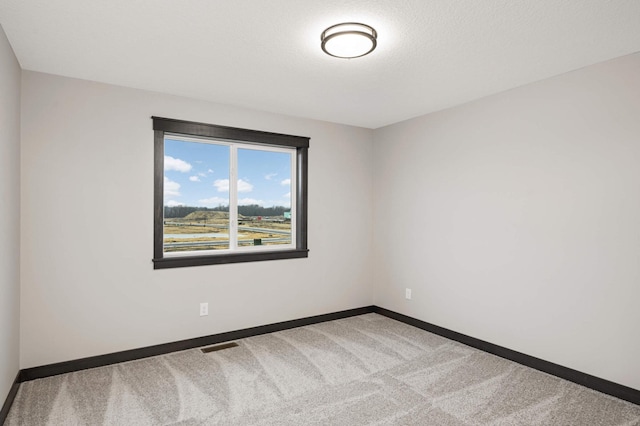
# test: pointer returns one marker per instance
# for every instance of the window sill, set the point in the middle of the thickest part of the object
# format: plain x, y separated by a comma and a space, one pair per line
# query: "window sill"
181, 261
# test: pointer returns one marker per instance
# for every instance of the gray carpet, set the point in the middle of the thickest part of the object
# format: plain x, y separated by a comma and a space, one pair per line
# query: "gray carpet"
356, 371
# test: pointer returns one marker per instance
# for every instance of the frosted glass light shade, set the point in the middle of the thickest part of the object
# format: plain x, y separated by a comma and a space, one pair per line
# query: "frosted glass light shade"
349, 40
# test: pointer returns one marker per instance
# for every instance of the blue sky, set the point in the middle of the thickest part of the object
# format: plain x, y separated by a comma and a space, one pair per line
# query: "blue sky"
197, 174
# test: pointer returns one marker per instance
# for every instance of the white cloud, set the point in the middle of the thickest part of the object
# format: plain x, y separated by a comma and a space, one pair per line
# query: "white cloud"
214, 201
270, 175
249, 201
210, 171
172, 203
223, 185
286, 182
244, 186
176, 164
194, 178
202, 174
171, 188
287, 195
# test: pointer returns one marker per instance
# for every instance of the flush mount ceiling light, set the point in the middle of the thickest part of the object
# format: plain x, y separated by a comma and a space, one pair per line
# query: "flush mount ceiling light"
348, 40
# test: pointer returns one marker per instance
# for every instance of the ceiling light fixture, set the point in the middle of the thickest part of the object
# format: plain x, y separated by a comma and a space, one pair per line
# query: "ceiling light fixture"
349, 40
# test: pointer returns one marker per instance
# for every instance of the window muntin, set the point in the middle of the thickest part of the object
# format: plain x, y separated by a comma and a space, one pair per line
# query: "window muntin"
211, 233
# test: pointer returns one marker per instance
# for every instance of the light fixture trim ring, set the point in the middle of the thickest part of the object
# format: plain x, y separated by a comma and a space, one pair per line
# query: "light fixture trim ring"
372, 35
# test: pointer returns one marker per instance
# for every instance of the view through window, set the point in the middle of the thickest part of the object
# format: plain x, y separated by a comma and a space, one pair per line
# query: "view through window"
200, 205
226, 195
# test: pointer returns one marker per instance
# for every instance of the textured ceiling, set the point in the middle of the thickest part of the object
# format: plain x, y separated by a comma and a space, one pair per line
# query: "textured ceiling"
266, 55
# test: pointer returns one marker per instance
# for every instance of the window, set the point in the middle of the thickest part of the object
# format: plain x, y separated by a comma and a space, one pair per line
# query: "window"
226, 195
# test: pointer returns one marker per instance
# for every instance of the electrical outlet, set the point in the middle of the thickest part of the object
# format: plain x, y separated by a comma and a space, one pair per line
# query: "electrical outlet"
204, 309
407, 293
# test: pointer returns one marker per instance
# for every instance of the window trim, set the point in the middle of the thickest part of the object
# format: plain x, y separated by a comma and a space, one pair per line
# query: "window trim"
162, 126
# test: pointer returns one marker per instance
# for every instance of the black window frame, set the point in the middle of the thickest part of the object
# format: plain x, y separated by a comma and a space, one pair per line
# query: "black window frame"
162, 126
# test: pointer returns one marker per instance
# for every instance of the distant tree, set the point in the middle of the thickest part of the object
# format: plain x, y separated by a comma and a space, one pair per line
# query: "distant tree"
250, 210
256, 210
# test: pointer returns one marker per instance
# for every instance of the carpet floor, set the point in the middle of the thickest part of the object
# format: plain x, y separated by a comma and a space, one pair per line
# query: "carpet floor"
364, 370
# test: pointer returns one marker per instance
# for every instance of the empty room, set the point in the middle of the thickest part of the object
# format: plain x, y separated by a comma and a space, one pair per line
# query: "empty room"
320, 213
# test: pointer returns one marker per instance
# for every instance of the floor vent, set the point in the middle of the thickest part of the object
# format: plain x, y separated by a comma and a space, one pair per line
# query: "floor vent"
219, 347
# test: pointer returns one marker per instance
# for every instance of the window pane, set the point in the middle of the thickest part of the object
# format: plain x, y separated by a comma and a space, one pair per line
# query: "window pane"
196, 196
264, 197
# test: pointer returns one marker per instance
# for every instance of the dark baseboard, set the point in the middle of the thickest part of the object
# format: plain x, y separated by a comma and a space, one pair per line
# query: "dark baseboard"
4, 412
133, 354
587, 380
592, 382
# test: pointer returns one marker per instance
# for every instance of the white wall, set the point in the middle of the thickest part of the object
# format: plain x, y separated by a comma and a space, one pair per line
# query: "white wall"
9, 216
516, 219
513, 219
88, 286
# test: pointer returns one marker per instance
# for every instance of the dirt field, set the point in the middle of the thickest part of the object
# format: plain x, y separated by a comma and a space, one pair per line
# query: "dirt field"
207, 222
